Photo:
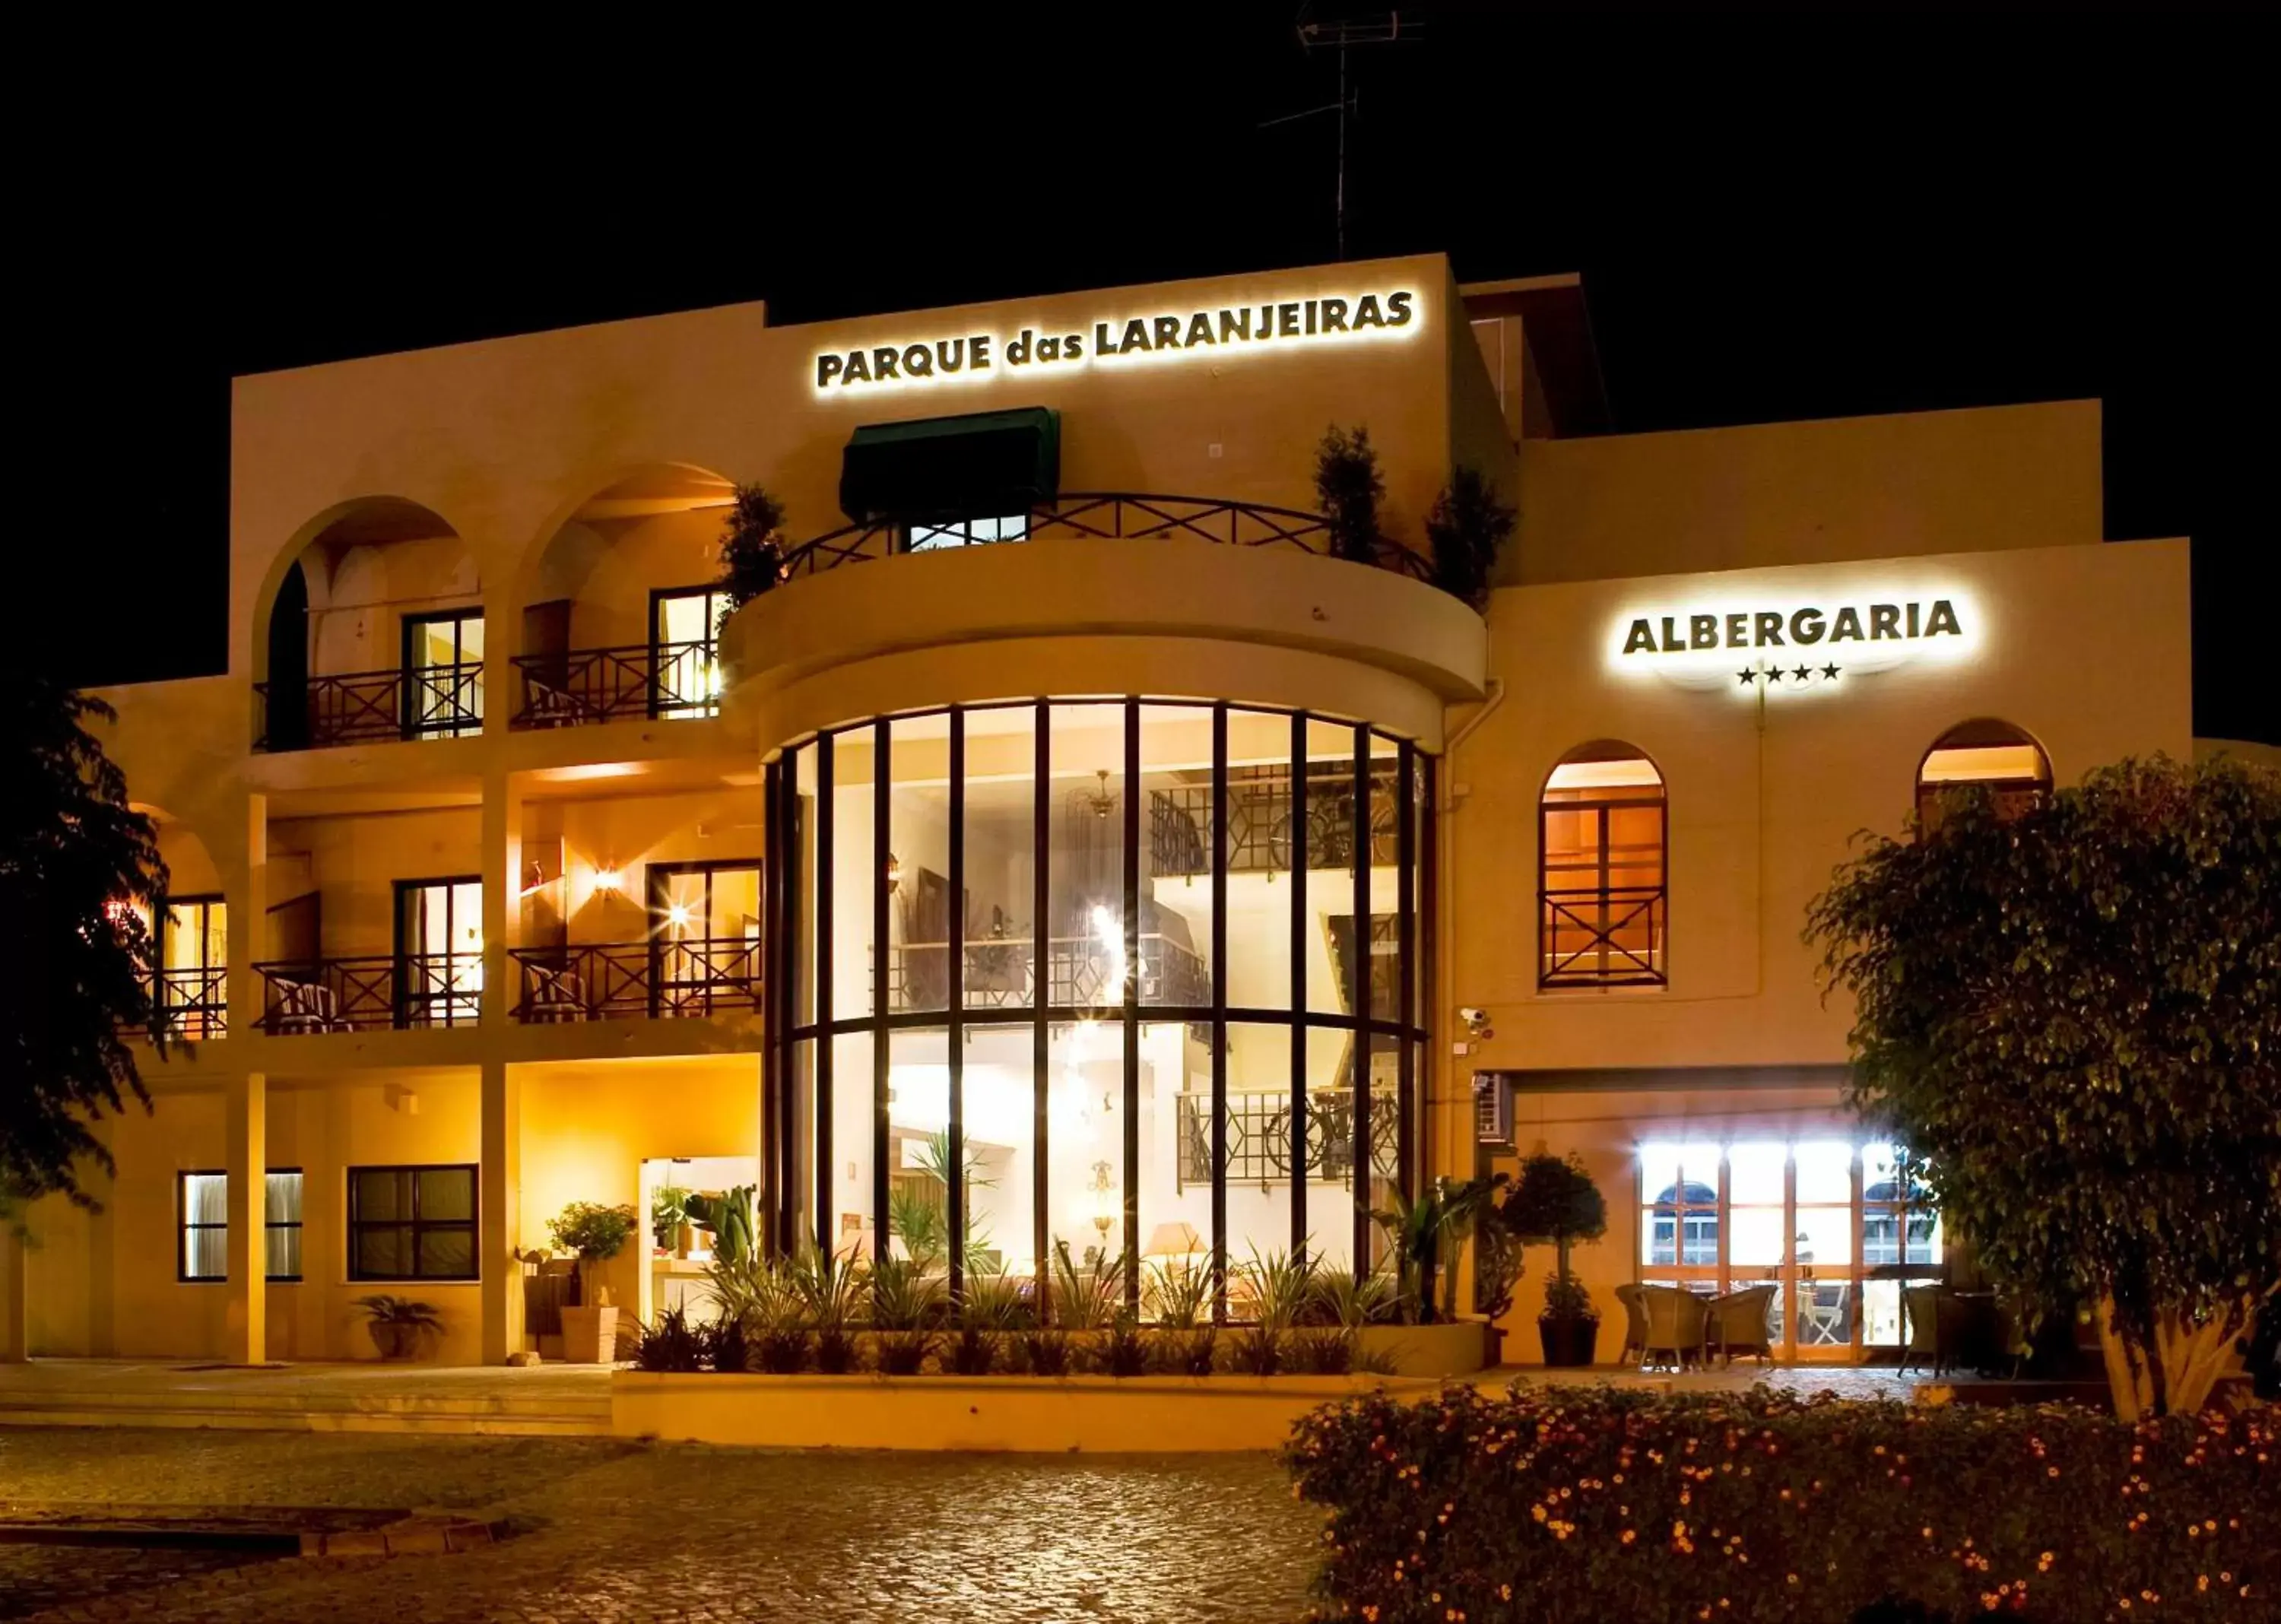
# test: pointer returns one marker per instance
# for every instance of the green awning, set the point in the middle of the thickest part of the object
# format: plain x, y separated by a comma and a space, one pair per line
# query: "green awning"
979, 465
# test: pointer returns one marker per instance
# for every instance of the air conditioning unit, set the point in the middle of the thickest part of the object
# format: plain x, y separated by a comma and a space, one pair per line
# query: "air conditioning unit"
1492, 1109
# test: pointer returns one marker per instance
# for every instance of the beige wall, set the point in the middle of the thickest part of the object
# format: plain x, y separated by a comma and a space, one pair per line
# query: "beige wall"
2085, 647
1988, 478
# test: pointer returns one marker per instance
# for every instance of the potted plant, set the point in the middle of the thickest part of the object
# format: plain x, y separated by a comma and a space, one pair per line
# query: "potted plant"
596, 1233
1554, 1200
1467, 527
668, 1220
397, 1324
752, 545
1348, 486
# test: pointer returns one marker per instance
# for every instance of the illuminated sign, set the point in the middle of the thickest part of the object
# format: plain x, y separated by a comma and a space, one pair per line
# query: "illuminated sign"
1158, 335
1774, 646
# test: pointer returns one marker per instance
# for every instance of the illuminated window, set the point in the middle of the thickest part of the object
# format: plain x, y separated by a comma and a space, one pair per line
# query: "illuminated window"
204, 1254
1982, 753
969, 533
1601, 900
684, 646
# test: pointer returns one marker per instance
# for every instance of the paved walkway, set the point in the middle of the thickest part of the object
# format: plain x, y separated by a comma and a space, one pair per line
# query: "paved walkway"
612, 1532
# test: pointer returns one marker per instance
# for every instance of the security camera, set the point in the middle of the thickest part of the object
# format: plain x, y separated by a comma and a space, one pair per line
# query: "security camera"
1477, 1024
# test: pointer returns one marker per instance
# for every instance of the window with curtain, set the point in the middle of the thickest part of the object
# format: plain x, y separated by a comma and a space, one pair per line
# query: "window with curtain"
412, 1223
205, 1205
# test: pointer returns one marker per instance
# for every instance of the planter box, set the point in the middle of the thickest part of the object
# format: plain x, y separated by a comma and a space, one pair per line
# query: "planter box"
1457, 1348
1093, 1414
590, 1336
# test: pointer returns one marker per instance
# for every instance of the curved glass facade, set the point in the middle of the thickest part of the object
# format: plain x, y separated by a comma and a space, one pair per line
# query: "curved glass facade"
1095, 977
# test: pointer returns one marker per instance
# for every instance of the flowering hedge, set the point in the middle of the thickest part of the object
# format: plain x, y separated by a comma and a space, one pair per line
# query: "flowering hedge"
1551, 1504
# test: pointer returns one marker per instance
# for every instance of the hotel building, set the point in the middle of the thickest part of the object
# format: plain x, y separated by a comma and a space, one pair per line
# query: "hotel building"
1071, 851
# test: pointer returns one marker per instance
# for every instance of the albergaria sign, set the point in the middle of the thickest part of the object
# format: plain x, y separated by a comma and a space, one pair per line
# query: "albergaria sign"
1166, 335
1773, 646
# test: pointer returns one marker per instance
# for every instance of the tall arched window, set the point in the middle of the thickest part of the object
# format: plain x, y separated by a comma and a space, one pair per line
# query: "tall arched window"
1601, 904
1986, 753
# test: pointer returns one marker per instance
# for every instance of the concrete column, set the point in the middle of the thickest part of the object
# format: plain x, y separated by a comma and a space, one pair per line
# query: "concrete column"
249, 920
499, 1210
15, 1296
245, 1335
502, 871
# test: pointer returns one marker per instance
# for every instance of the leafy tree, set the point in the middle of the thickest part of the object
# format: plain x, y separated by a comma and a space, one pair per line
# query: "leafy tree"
1467, 527
2072, 1019
1348, 487
1554, 1202
752, 545
80, 879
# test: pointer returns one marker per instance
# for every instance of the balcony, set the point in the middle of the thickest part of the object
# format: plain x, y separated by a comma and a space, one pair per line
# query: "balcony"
1608, 937
429, 701
1105, 515
187, 1005
647, 681
1082, 973
374, 992
657, 979
1259, 1136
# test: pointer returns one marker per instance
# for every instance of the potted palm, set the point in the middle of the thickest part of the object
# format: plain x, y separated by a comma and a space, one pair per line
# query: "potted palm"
397, 1324
596, 1234
1555, 1201
668, 1220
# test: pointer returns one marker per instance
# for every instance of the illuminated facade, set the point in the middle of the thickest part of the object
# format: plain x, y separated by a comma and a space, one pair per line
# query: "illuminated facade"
1071, 857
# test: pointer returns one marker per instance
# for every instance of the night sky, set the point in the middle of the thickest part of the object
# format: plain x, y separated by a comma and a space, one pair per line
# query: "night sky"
1772, 222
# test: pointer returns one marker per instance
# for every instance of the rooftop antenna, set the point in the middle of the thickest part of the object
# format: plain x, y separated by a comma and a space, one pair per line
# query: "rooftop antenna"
1341, 36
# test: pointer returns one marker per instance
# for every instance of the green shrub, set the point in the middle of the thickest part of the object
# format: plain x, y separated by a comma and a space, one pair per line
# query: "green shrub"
1552, 1504
671, 1344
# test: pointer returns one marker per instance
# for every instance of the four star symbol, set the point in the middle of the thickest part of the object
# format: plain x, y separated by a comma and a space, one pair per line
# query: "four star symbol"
1803, 674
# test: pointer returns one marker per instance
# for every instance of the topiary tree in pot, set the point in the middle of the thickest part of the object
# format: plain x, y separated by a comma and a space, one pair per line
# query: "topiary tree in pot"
2067, 1013
1348, 487
1468, 528
1554, 1202
752, 545
596, 1233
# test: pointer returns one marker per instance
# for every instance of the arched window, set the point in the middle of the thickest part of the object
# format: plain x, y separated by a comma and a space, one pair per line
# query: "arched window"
1988, 752
1600, 895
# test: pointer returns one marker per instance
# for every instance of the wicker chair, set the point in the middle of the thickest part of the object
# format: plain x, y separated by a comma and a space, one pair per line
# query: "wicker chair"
1940, 1326
1676, 1321
1739, 1323
1635, 1325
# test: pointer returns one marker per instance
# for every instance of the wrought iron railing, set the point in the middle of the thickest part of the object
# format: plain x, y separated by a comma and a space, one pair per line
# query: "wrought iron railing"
687, 979
1082, 973
604, 684
189, 1002
1260, 821
1611, 936
372, 992
1103, 514
1259, 1136
431, 701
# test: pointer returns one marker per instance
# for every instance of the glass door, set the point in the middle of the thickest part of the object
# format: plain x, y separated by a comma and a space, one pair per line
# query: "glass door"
685, 649
439, 952
1901, 1245
193, 968
444, 674
1823, 1281
706, 931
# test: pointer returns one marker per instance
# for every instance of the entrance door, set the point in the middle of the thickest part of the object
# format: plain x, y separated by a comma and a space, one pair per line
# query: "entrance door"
685, 637
444, 674
193, 966
706, 925
439, 952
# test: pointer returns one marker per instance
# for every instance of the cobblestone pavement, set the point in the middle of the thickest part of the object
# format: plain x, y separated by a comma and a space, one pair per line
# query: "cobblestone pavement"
612, 1533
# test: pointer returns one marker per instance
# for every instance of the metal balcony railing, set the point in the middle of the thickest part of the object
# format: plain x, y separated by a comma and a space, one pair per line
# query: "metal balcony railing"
1260, 821
433, 701
1100, 515
604, 684
687, 979
1082, 973
1610, 937
190, 1003
372, 992
1259, 1136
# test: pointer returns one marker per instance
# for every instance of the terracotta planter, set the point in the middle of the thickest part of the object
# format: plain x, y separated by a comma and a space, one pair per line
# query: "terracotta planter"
1568, 1343
590, 1336
393, 1339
